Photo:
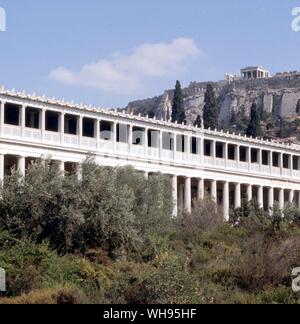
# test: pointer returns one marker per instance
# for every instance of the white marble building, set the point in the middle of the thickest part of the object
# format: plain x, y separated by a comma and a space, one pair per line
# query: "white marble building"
227, 166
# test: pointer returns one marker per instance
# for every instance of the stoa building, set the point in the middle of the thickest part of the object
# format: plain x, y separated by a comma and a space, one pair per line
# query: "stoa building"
229, 167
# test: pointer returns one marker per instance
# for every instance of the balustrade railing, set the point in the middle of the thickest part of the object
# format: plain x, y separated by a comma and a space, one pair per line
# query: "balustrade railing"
119, 148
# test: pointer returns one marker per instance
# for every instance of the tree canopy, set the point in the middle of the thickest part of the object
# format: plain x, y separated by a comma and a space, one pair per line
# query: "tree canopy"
210, 111
178, 110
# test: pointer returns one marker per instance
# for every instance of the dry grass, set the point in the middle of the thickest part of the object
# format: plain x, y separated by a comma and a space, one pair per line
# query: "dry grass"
58, 296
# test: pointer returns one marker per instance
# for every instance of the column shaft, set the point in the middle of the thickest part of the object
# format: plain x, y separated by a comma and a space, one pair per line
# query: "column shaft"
237, 200
281, 163
175, 145
298, 199
62, 127
249, 193
97, 132
271, 198
114, 137
130, 138
260, 196
160, 143
80, 129
62, 167
21, 165
187, 147
43, 123
2, 107
281, 199
1, 168
226, 201
200, 189
146, 143
175, 195
271, 162
291, 196
214, 191
226, 154
187, 195
23, 120
260, 159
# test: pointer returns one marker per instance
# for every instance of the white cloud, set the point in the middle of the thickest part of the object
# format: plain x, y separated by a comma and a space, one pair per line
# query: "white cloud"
124, 74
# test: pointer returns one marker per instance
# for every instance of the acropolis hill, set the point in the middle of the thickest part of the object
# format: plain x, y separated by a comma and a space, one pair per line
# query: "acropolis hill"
277, 94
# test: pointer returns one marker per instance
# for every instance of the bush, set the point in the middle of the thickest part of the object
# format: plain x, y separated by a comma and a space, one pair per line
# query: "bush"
109, 208
205, 216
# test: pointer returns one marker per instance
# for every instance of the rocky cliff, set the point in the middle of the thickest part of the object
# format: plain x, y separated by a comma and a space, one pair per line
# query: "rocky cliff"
278, 95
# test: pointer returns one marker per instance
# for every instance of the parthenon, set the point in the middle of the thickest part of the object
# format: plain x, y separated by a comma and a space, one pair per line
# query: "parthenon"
255, 72
228, 167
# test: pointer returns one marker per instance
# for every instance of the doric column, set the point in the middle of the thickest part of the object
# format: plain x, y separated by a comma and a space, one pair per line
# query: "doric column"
237, 155
1, 168
214, 151
226, 201
188, 147
271, 198
146, 143
160, 142
237, 196
62, 126
200, 189
23, 120
175, 145
80, 129
226, 154
214, 191
291, 165
62, 167
146, 175
43, 123
259, 156
97, 133
187, 195
260, 196
199, 146
181, 196
175, 195
201, 149
21, 165
248, 157
79, 171
271, 162
298, 199
281, 198
130, 138
2, 107
281, 163
114, 136
249, 193
291, 196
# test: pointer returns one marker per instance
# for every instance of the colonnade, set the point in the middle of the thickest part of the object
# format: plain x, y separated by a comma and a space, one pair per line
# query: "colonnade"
229, 194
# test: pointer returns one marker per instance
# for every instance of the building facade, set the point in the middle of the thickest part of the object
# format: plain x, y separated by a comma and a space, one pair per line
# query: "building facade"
255, 72
228, 167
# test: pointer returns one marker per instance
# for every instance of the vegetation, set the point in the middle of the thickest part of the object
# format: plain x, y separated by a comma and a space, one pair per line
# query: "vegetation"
178, 110
198, 122
210, 110
109, 238
254, 129
298, 108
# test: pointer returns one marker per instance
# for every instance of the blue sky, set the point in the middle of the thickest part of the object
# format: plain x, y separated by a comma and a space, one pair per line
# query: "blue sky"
108, 52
